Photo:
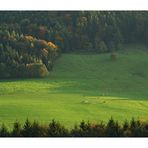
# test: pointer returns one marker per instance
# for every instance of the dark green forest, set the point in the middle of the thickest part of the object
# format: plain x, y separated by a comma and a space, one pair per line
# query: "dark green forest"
133, 128
30, 41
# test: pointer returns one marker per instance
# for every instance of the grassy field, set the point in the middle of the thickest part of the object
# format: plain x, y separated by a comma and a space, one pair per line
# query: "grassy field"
81, 87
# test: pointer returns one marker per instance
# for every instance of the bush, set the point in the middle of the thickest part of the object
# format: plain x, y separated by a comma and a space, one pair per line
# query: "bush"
36, 70
113, 56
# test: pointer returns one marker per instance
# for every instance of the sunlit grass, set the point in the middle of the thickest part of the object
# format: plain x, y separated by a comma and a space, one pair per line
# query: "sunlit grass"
81, 87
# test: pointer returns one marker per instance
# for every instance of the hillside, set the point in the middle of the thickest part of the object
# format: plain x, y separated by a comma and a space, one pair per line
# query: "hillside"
82, 87
127, 76
32, 40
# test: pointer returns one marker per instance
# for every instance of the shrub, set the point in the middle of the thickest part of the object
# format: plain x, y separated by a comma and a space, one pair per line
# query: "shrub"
113, 56
36, 70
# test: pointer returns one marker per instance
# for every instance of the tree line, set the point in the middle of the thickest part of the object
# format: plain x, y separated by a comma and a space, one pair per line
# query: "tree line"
80, 30
134, 128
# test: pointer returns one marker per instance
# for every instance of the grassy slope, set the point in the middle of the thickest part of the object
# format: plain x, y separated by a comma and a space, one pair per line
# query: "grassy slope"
89, 87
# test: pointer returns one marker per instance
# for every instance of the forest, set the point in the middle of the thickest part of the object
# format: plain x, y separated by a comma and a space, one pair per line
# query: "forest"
31, 41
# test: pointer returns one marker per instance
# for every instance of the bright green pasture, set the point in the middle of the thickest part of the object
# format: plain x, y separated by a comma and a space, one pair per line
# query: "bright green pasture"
81, 87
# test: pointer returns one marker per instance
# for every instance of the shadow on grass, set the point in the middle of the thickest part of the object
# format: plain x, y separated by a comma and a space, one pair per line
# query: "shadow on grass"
80, 87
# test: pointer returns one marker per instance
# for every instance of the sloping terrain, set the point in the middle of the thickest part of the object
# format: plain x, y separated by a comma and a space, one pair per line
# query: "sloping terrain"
82, 87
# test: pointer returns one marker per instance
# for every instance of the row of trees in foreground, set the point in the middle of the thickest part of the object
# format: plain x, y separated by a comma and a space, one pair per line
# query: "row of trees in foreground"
134, 128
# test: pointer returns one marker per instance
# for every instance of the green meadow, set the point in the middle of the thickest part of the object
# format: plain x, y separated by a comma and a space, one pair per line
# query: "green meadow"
90, 87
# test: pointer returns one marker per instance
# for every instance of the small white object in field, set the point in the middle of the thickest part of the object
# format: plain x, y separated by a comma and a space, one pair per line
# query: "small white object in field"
85, 101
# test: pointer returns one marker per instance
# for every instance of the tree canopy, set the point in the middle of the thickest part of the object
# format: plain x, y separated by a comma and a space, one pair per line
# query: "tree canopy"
38, 37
